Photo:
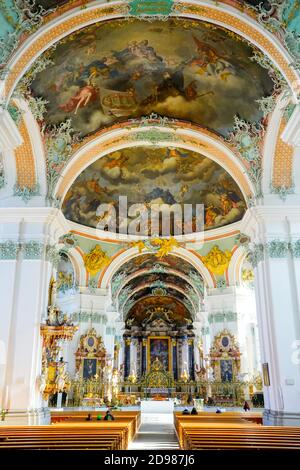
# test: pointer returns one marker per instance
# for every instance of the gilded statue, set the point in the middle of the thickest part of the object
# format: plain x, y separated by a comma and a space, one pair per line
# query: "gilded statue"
51, 291
95, 260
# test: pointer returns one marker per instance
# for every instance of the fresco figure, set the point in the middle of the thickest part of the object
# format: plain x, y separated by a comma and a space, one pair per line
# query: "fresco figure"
81, 99
178, 68
155, 179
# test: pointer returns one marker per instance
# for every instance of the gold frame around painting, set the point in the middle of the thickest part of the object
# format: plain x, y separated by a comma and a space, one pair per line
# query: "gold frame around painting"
169, 351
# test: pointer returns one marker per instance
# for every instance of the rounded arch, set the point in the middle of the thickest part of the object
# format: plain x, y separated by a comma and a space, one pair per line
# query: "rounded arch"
223, 15
36, 145
125, 256
143, 272
77, 263
182, 136
168, 285
234, 268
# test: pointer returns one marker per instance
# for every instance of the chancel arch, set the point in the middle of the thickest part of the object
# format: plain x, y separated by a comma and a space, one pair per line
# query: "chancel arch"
195, 140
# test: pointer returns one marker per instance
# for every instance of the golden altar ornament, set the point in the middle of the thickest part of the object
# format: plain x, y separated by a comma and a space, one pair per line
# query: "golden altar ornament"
132, 377
184, 376
58, 328
52, 334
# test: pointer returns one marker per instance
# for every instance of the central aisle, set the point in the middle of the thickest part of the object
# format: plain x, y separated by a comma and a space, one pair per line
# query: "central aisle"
156, 432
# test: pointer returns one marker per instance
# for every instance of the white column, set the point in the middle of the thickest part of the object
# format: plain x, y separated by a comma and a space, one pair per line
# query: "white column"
26, 272
274, 231
185, 356
133, 356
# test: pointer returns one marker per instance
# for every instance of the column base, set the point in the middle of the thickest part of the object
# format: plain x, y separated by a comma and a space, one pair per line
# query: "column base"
280, 418
27, 417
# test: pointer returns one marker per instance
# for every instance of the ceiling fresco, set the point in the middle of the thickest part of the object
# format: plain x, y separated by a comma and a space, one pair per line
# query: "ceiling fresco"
49, 4
159, 292
123, 69
151, 262
158, 279
160, 307
154, 176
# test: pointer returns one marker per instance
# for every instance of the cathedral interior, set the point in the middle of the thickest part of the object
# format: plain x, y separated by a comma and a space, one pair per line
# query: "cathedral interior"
150, 212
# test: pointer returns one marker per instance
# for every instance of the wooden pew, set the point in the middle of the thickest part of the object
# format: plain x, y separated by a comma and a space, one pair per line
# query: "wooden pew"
232, 431
95, 435
213, 418
80, 416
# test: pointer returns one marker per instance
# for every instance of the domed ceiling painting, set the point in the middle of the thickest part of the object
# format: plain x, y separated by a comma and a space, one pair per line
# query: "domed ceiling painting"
160, 307
183, 69
154, 176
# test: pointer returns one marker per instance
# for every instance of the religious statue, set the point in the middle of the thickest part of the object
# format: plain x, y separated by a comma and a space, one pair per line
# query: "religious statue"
107, 378
62, 379
52, 291
115, 383
43, 382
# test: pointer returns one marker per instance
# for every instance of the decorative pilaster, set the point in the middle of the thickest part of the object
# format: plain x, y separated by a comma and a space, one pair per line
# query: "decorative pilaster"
191, 358
174, 357
127, 342
25, 272
184, 356
144, 356
277, 271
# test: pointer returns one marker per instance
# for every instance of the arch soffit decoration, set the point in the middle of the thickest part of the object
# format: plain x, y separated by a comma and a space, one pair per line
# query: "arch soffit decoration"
145, 272
233, 275
127, 255
242, 255
185, 136
168, 285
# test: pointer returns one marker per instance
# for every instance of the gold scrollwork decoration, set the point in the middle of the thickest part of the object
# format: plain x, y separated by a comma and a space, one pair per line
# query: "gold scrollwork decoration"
95, 260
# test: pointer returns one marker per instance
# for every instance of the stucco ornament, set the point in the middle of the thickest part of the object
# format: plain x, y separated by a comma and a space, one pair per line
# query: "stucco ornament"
95, 260
217, 261
165, 246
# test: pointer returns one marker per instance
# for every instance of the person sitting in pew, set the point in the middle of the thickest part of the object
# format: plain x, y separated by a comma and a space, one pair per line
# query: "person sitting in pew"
185, 412
89, 417
194, 411
109, 416
218, 410
210, 401
99, 417
246, 406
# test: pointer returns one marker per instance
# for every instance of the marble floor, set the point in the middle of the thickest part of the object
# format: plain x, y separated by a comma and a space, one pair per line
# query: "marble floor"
156, 433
